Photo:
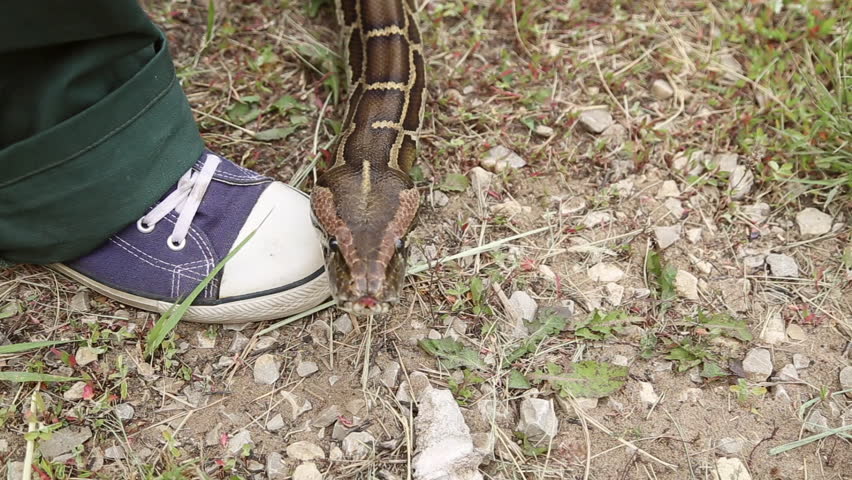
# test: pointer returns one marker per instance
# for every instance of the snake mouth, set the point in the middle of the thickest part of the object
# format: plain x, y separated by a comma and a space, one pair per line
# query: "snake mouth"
365, 305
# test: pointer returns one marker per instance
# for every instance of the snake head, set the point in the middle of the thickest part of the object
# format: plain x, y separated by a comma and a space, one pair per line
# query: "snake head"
363, 238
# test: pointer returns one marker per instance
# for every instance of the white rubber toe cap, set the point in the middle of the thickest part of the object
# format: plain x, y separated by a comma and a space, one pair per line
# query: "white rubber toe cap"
284, 251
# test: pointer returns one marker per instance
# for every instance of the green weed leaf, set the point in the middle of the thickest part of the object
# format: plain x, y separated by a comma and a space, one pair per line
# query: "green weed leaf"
583, 379
454, 182
452, 354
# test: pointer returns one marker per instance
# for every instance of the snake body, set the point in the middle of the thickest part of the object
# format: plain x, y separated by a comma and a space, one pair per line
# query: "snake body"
366, 203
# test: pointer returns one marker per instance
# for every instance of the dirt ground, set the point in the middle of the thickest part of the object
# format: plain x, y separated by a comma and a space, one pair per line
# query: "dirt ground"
689, 142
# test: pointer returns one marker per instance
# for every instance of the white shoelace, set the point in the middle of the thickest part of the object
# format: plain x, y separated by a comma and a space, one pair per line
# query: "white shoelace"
185, 200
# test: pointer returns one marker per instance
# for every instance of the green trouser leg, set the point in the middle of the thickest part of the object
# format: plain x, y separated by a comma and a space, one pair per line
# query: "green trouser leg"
94, 126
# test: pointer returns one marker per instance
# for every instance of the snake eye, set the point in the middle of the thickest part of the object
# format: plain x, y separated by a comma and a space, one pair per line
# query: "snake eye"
400, 244
332, 243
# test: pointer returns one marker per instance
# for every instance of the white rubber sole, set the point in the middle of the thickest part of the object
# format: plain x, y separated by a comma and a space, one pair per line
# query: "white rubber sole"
268, 307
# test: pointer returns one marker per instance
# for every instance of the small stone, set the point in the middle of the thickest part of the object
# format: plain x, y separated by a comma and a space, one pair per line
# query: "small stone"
276, 469
439, 199
757, 364
80, 301
782, 265
305, 368
615, 293
796, 333
675, 207
307, 471
773, 330
538, 420
686, 285
816, 422
788, 373
647, 395
623, 187
63, 441
661, 90
753, 262
813, 222
211, 438
668, 189
480, 179
641, 292
846, 380
327, 416
694, 235
4, 445
730, 468
267, 369
114, 453
740, 182
802, 362
690, 395
390, 375
757, 213
358, 445
524, 305
605, 272
15, 471
319, 331
572, 206
543, 130
238, 441
275, 423
335, 454
726, 162
87, 355
730, 446
403, 394
343, 324
500, 158
614, 134
223, 362
238, 343
667, 236
264, 343
593, 219
205, 340
595, 121
780, 393
510, 208
305, 451
75, 392
124, 411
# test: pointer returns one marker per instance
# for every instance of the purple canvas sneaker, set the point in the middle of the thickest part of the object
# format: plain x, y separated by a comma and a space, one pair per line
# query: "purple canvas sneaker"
163, 256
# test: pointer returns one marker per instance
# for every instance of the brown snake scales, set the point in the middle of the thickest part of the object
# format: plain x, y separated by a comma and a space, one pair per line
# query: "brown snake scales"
366, 203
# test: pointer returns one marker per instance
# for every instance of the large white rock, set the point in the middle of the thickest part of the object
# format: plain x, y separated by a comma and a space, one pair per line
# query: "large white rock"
444, 443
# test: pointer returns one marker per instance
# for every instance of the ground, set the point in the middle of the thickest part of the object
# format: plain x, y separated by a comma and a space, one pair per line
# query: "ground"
725, 123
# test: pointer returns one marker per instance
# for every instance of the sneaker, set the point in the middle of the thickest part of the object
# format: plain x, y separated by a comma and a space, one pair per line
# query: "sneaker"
162, 257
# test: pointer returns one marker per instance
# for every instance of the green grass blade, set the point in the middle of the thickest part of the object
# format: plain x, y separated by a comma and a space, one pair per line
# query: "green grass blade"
23, 347
211, 19
807, 440
23, 377
169, 320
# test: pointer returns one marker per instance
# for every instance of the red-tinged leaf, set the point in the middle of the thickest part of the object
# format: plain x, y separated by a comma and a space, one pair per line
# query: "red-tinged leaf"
88, 392
223, 439
528, 264
344, 421
41, 473
219, 462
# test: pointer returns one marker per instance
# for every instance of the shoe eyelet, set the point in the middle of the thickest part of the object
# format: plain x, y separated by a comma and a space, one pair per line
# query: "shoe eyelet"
140, 225
175, 246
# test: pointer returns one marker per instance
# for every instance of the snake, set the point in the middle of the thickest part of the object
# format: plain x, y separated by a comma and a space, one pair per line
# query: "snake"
366, 203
